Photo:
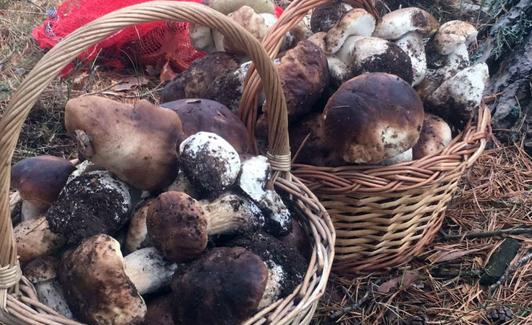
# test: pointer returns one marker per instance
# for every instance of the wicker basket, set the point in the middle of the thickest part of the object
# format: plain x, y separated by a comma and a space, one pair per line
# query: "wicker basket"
18, 302
383, 215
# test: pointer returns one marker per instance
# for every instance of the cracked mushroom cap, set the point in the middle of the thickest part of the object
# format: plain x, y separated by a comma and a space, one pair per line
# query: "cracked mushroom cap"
224, 286
435, 135
360, 127
304, 74
452, 35
177, 226
40, 179
356, 22
114, 135
210, 116
93, 203
96, 286
209, 161
372, 54
402, 21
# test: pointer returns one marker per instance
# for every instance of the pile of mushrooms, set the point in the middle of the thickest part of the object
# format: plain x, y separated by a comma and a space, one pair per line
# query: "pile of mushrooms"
359, 90
167, 205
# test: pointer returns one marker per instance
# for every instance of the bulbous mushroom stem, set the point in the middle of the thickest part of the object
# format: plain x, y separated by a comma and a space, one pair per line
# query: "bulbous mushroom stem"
148, 270
231, 213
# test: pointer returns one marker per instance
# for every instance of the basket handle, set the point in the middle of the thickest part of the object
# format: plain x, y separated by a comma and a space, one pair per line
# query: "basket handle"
272, 42
53, 62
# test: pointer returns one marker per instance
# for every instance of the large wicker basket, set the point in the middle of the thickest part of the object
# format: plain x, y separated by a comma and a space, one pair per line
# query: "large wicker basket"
18, 302
383, 215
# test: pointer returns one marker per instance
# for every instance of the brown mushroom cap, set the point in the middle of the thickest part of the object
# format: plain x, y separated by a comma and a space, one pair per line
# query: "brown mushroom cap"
114, 135
210, 116
224, 286
325, 17
304, 74
159, 311
93, 203
41, 269
96, 286
40, 179
34, 239
211, 77
435, 135
372, 117
177, 226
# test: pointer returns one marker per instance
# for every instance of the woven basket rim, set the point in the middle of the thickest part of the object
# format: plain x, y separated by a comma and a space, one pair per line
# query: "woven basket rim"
18, 300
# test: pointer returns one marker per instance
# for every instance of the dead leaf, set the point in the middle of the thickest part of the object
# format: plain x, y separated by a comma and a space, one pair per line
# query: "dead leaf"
131, 82
404, 281
167, 73
79, 80
449, 255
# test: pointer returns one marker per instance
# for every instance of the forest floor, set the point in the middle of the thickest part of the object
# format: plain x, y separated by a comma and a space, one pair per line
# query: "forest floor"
442, 286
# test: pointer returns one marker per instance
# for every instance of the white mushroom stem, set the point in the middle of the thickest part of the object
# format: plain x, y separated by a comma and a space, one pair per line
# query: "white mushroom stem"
51, 294
201, 38
30, 211
137, 231
402, 157
356, 22
273, 288
413, 45
148, 270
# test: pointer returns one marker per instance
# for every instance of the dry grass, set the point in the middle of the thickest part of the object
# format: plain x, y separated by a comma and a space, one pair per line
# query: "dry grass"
441, 286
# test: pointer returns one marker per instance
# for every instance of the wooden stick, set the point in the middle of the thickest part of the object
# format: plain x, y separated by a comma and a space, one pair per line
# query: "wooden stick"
487, 234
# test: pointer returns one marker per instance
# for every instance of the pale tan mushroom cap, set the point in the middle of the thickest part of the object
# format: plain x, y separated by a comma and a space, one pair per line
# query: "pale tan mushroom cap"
452, 34
435, 135
399, 22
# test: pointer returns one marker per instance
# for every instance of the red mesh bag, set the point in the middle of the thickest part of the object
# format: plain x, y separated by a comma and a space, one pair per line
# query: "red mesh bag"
147, 44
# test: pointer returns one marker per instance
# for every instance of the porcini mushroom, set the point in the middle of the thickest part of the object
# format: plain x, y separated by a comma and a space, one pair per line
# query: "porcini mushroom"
408, 27
356, 22
228, 6
458, 97
39, 181
210, 161
325, 17
34, 239
96, 286
42, 272
207, 115
159, 311
179, 226
435, 135
137, 233
253, 180
114, 135
224, 286
304, 74
449, 48
94, 203
358, 127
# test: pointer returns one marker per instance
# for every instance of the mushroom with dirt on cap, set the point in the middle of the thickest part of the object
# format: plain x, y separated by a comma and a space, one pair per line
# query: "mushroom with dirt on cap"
408, 27
179, 226
209, 161
34, 239
90, 204
39, 181
358, 127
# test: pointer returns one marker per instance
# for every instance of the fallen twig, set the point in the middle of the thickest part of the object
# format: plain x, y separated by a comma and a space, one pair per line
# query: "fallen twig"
487, 234
511, 269
346, 309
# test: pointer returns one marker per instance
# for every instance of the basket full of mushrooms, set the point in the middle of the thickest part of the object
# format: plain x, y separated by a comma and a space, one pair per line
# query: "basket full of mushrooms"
167, 218
385, 133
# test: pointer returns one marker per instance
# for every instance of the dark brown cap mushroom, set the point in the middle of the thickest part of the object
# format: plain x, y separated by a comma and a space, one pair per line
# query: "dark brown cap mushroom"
94, 203
39, 181
362, 127
179, 226
96, 286
159, 311
304, 74
209, 161
207, 115
224, 286
114, 135
212, 77
325, 17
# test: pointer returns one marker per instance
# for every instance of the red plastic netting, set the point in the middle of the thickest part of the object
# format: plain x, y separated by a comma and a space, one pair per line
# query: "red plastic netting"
147, 44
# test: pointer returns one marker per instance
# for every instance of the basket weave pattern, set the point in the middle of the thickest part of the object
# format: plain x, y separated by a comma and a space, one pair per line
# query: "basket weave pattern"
18, 301
383, 215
